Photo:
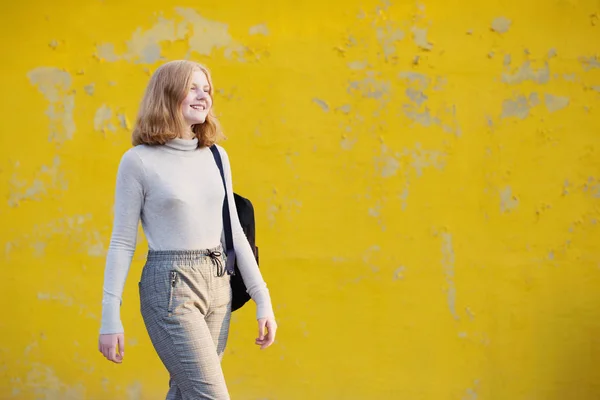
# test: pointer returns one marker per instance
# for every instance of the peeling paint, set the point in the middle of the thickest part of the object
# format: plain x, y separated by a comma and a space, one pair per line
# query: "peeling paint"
348, 143
373, 88
526, 73
555, 103
422, 159
420, 38
399, 273
321, 103
55, 85
501, 24
508, 202
102, 119
357, 65
448, 263
589, 63
47, 177
203, 37
61, 298
89, 89
134, 391
45, 384
388, 37
417, 109
260, 29
123, 121
106, 52
207, 35
345, 108
519, 107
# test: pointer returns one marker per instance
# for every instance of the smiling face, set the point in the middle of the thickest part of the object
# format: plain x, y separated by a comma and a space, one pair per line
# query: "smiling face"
197, 102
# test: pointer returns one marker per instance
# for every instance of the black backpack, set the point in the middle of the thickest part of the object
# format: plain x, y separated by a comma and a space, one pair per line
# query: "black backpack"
245, 211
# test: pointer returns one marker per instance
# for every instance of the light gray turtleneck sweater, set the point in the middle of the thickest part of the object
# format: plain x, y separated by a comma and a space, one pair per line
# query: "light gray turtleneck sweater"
177, 192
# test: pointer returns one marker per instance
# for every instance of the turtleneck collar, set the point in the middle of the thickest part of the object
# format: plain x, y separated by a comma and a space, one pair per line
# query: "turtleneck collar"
183, 144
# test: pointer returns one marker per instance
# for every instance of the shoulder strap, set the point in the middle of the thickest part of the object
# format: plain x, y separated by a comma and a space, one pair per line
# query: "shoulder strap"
229, 250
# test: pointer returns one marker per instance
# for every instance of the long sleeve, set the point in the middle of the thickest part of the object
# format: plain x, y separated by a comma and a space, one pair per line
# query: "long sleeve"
255, 284
129, 198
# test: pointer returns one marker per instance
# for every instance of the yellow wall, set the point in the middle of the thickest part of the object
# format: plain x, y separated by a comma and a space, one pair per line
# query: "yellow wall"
425, 176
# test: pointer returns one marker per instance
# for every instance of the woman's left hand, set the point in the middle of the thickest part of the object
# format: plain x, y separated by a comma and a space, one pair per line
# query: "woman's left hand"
265, 339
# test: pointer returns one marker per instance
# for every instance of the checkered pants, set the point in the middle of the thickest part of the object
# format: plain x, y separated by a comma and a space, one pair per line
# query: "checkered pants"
186, 306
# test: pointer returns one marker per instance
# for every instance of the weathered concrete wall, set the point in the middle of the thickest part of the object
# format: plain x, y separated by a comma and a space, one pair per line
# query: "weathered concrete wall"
425, 175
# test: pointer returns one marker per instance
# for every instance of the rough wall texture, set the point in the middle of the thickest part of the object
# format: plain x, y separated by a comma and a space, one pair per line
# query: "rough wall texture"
425, 176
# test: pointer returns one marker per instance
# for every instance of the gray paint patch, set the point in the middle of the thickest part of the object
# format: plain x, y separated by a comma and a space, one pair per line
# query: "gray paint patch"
370, 87
89, 89
448, 263
207, 35
421, 79
399, 273
388, 36
552, 53
422, 159
123, 121
106, 52
417, 109
534, 99
202, 35
508, 202
348, 143
55, 85
357, 65
590, 62
102, 119
134, 391
260, 29
420, 38
555, 103
51, 82
526, 73
416, 96
324, 106
518, 108
389, 167
346, 108
507, 60
20, 190
501, 24
421, 117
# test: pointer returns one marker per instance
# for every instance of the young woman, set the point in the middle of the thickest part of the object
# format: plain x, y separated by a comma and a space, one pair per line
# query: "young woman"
170, 181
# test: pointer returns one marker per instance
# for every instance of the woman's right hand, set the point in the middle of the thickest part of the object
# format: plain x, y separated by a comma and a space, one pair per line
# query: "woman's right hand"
112, 346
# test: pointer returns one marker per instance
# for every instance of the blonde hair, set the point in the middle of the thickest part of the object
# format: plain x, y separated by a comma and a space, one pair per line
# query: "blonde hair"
160, 118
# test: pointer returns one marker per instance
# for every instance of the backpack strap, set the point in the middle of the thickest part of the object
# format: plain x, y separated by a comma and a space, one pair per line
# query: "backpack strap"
229, 250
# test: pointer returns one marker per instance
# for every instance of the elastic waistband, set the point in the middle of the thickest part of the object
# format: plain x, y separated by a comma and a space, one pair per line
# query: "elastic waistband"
184, 255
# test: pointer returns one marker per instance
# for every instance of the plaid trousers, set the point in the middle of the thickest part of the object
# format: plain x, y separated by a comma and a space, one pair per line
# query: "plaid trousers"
185, 299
